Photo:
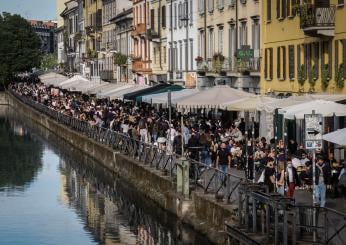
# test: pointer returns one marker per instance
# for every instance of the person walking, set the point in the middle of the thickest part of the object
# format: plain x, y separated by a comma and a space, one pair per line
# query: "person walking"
292, 178
269, 174
223, 160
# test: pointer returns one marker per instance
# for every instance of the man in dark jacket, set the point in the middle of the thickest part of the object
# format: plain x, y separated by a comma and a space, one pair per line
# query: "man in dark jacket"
322, 179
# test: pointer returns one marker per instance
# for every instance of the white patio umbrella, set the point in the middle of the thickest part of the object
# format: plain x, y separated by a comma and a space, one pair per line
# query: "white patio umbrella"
114, 88
162, 98
337, 137
74, 79
248, 104
51, 78
120, 93
212, 98
326, 108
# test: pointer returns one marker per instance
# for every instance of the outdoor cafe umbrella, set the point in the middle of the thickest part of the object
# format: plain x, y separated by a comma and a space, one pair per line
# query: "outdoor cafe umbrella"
212, 98
337, 137
326, 108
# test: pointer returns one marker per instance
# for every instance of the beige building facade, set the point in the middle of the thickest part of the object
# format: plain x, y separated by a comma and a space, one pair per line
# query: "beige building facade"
224, 27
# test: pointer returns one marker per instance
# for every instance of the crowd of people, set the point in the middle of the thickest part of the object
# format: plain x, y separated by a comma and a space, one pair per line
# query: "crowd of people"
222, 144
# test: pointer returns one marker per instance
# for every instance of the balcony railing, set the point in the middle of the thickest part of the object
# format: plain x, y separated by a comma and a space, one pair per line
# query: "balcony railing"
152, 34
231, 65
314, 18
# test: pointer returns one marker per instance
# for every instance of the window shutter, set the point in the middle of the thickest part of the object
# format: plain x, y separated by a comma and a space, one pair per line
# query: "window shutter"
283, 8
291, 61
269, 9
284, 62
316, 61
266, 63
278, 67
278, 12
336, 55
344, 55
271, 63
289, 8
330, 60
298, 58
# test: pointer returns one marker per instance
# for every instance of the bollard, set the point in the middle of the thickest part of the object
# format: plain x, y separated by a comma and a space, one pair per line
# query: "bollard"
183, 180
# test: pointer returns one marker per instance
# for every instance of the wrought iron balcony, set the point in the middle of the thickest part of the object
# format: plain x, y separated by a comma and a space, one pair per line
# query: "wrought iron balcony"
317, 21
153, 35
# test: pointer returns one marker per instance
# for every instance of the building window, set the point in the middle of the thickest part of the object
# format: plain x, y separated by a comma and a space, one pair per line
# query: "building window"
220, 4
256, 32
291, 62
201, 6
220, 39
211, 43
163, 12
243, 34
210, 5
152, 19
180, 55
191, 13
232, 41
175, 16
268, 64
269, 10
281, 63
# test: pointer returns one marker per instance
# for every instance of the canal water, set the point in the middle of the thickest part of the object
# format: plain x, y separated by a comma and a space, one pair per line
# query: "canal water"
50, 193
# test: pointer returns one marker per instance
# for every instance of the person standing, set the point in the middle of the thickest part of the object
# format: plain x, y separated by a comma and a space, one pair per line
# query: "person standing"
292, 178
223, 160
269, 174
281, 178
322, 179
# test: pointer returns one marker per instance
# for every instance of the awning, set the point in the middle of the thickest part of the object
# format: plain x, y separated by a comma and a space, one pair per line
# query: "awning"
213, 97
326, 108
337, 137
248, 104
172, 88
117, 87
82, 86
99, 89
51, 78
73, 80
146, 91
298, 99
162, 98
120, 94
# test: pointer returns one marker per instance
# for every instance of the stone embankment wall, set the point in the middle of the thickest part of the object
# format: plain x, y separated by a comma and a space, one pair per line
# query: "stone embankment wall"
201, 211
3, 98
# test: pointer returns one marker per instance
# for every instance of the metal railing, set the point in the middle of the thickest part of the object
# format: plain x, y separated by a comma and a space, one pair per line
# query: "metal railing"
203, 177
312, 16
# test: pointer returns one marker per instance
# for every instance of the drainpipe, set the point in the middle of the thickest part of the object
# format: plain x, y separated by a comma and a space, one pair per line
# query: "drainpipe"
236, 27
172, 50
205, 30
159, 32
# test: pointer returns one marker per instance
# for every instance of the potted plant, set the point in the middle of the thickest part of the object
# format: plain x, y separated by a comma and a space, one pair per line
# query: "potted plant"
301, 77
312, 78
325, 77
339, 77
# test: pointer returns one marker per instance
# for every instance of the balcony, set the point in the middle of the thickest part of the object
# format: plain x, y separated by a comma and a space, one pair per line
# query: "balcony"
153, 35
139, 30
317, 21
141, 66
230, 65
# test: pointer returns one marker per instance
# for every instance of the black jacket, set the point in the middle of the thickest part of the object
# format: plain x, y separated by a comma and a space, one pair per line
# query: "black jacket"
326, 169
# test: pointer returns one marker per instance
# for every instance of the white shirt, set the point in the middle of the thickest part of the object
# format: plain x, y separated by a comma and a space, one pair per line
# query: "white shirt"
290, 175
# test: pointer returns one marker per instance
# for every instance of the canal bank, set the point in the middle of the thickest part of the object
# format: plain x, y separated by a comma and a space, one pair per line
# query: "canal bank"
57, 185
200, 211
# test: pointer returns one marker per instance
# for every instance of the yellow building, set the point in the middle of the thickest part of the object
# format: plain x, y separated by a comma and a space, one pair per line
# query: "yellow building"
304, 46
60, 6
157, 34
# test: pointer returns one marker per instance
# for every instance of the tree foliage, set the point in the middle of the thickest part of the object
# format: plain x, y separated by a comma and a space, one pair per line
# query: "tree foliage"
49, 61
20, 47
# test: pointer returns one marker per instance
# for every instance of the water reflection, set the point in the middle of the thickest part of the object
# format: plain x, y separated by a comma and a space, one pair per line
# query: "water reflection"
108, 209
19, 151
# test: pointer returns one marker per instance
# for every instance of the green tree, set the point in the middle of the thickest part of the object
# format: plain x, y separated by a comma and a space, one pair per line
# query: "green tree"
19, 47
49, 61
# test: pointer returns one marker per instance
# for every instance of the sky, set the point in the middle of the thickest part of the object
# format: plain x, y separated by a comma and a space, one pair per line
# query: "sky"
30, 9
